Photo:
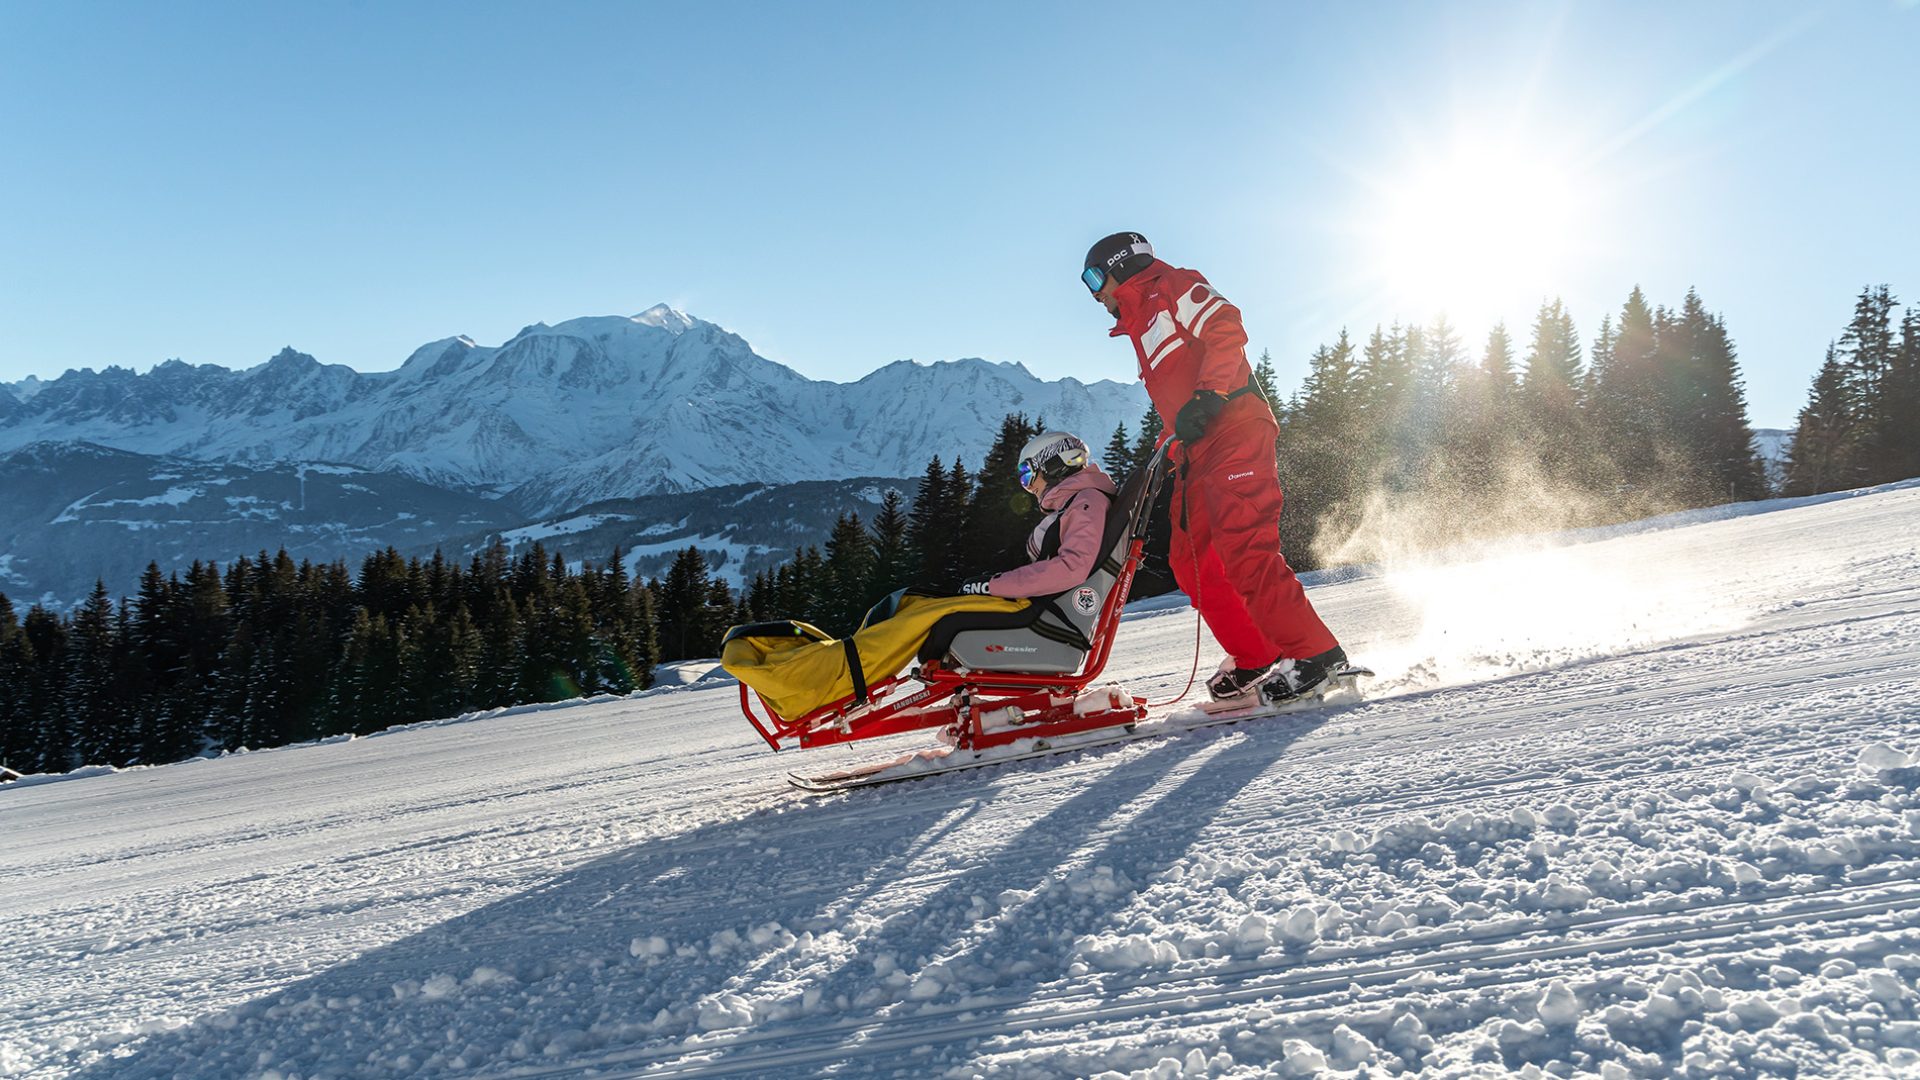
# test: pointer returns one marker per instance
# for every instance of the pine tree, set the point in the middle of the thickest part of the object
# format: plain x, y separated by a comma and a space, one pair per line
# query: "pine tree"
624, 644
716, 616
1868, 342
1496, 362
18, 749
1149, 440
157, 641
366, 689
1722, 438
929, 535
543, 672
1118, 460
1628, 409
346, 687
1266, 378
414, 655
1824, 456
1550, 386
1436, 356
646, 643
682, 603
54, 737
1896, 417
1000, 514
801, 584
781, 591
761, 605
205, 631
577, 652
850, 571
1549, 394
1871, 354
1480, 432
1384, 401
1323, 461
892, 554
321, 604
272, 687
503, 652
1601, 363
124, 691
89, 703
459, 683
961, 562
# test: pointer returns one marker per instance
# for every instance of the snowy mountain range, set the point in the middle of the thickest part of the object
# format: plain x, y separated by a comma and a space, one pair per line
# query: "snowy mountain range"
564, 415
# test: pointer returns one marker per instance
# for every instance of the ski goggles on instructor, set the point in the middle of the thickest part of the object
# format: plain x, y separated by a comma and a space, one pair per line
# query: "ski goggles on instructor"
1027, 474
1095, 277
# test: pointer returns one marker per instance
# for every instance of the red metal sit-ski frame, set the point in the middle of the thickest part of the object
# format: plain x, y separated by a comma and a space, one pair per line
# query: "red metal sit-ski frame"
978, 709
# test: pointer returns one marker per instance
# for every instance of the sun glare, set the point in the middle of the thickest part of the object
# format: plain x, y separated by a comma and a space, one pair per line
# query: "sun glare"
1483, 232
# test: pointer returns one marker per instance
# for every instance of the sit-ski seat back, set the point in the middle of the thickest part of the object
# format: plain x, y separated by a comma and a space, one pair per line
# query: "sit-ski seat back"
1055, 633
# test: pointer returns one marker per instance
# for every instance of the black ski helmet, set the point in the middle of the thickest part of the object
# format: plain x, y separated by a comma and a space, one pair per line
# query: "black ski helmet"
1119, 257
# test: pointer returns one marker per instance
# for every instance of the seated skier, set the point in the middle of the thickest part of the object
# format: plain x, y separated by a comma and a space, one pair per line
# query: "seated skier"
1056, 470
796, 668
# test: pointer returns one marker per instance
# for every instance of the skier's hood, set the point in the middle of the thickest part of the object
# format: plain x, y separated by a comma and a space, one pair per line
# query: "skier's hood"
1090, 477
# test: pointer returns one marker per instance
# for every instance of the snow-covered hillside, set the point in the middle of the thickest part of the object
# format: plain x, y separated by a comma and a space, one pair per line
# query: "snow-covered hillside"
742, 529
1641, 805
560, 416
75, 513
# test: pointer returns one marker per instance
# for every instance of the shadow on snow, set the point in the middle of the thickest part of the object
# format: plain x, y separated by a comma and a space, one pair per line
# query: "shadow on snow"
560, 977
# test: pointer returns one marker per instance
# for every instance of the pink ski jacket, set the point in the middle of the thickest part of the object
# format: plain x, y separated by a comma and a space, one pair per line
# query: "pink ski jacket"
1077, 507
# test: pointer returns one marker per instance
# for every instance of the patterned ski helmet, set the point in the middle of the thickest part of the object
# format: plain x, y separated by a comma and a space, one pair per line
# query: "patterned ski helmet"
1054, 455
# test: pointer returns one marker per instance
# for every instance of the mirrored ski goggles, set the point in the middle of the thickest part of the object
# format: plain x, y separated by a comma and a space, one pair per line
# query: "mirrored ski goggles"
1027, 474
1095, 278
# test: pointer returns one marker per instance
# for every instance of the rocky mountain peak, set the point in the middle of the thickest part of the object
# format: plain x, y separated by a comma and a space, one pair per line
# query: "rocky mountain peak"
667, 318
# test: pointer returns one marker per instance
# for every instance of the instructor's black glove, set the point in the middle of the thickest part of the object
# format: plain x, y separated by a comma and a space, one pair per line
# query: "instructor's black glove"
1190, 424
976, 586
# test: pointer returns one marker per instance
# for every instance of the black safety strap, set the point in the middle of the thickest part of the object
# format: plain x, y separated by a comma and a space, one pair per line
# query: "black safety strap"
854, 669
1065, 634
1252, 387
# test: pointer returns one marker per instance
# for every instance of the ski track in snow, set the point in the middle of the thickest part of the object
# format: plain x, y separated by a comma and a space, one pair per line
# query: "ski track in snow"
1645, 805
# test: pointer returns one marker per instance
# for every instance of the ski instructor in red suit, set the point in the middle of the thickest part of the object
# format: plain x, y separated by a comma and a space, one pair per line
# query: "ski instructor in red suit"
1226, 498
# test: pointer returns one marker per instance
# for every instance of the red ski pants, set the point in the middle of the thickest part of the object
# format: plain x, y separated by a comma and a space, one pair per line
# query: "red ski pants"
1226, 548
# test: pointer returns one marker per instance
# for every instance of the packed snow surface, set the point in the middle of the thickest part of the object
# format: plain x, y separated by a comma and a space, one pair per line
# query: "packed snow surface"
1641, 805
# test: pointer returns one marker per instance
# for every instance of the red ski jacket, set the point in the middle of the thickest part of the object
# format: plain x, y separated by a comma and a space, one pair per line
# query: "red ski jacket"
1187, 337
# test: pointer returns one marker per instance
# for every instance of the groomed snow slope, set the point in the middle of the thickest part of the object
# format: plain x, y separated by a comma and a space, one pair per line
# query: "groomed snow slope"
1635, 806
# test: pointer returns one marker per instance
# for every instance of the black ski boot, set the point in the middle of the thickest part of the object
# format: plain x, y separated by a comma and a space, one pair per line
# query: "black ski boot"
1291, 680
1232, 683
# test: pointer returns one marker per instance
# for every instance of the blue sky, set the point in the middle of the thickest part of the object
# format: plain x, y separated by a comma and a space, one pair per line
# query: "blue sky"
847, 185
